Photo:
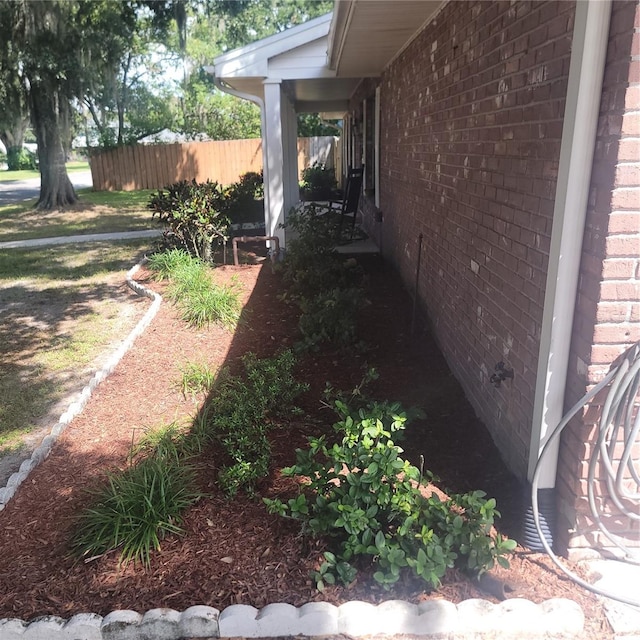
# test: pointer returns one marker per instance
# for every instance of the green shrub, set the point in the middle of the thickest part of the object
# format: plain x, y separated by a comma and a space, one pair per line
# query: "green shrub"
331, 317
318, 182
166, 263
366, 499
244, 200
326, 286
242, 412
194, 213
136, 509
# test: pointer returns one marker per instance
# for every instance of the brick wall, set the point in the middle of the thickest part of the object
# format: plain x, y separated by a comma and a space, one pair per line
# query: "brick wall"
470, 140
608, 306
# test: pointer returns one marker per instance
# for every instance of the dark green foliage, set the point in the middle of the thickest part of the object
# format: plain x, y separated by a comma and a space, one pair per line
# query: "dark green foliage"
243, 411
318, 182
367, 500
326, 286
330, 317
194, 214
244, 200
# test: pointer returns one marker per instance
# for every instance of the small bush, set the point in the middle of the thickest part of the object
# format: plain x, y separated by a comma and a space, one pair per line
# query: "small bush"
196, 378
244, 200
318, 182
326, 287
366, 499
242, 412
194, 213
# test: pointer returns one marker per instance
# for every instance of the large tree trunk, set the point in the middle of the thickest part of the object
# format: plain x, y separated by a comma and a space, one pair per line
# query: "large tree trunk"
13, 138
48, 116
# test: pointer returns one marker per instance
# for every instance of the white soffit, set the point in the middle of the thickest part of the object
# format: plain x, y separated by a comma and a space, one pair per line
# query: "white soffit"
367, 34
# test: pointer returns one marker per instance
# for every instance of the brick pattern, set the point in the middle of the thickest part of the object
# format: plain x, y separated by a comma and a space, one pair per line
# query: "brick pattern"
608, 305
470, 139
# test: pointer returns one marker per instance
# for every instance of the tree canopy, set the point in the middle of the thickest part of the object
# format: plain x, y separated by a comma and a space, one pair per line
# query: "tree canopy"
104, 62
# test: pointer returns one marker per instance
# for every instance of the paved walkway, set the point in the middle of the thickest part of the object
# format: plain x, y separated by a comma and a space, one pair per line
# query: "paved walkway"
89, 237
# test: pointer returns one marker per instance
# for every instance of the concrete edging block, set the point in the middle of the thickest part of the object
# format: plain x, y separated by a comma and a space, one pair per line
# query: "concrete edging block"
45, 628
199, 621
357, 618
83, 626
239, 620
160, 624
121, 625
12, 629
561, 615
278, 619
318, 619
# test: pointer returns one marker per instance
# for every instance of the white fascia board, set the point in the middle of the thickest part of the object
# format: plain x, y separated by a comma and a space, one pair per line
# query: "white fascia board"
253, 58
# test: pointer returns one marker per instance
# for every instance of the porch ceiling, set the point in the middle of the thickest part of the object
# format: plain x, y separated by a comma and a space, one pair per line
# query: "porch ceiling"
366, 35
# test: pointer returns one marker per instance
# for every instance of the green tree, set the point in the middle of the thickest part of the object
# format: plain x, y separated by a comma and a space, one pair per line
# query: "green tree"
216, 26
14, 112
66, 50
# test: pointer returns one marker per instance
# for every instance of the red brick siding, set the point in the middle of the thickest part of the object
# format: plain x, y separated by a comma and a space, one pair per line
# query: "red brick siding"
608, 306
470, 140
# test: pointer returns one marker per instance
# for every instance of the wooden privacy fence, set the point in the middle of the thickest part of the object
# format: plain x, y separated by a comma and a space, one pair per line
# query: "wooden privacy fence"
224, 161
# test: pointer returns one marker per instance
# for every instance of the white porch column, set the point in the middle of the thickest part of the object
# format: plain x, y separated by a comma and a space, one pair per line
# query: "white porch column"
290, 148
273, 138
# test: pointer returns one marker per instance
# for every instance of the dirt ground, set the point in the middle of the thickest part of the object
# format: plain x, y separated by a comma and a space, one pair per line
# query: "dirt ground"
234, 551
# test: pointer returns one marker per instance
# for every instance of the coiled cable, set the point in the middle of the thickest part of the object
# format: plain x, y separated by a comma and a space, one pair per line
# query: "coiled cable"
619, 423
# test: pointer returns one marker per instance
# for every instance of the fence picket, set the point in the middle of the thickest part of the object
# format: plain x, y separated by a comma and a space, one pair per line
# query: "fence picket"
156, 166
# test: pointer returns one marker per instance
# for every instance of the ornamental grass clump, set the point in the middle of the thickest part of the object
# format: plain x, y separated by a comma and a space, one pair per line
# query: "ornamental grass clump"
199, 300
136, 509
361, 495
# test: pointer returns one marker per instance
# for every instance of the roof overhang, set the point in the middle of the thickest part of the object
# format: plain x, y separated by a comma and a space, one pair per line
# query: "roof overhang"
366, 35
321, 62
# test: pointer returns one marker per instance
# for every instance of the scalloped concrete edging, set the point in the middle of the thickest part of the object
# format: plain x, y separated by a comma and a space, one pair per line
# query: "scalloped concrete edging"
475, 618
515, 618
75, 408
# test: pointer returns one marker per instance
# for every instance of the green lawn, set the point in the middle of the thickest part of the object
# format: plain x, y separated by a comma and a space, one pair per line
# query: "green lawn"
96, 212
62, 307
25, 174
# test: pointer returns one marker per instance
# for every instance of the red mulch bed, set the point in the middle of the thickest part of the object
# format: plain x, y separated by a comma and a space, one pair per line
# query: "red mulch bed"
234, 551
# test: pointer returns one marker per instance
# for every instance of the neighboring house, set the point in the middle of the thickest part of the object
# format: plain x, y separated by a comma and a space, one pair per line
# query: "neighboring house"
507, 136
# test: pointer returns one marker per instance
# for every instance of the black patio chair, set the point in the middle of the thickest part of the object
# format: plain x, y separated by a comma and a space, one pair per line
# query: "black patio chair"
346, 206
351, 199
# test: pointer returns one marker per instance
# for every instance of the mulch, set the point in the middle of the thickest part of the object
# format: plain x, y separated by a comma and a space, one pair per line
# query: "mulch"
234, 551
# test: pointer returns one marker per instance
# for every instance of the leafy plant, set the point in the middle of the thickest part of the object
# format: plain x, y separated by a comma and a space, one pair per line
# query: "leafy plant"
331, 317
194, 214
326, 287
318, 182
242, 412
367, 500
243, 200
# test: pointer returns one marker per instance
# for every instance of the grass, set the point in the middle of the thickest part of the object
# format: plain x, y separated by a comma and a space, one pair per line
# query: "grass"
191, 288
62, 306
28, 174
136, 509
96, 212
197, 377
